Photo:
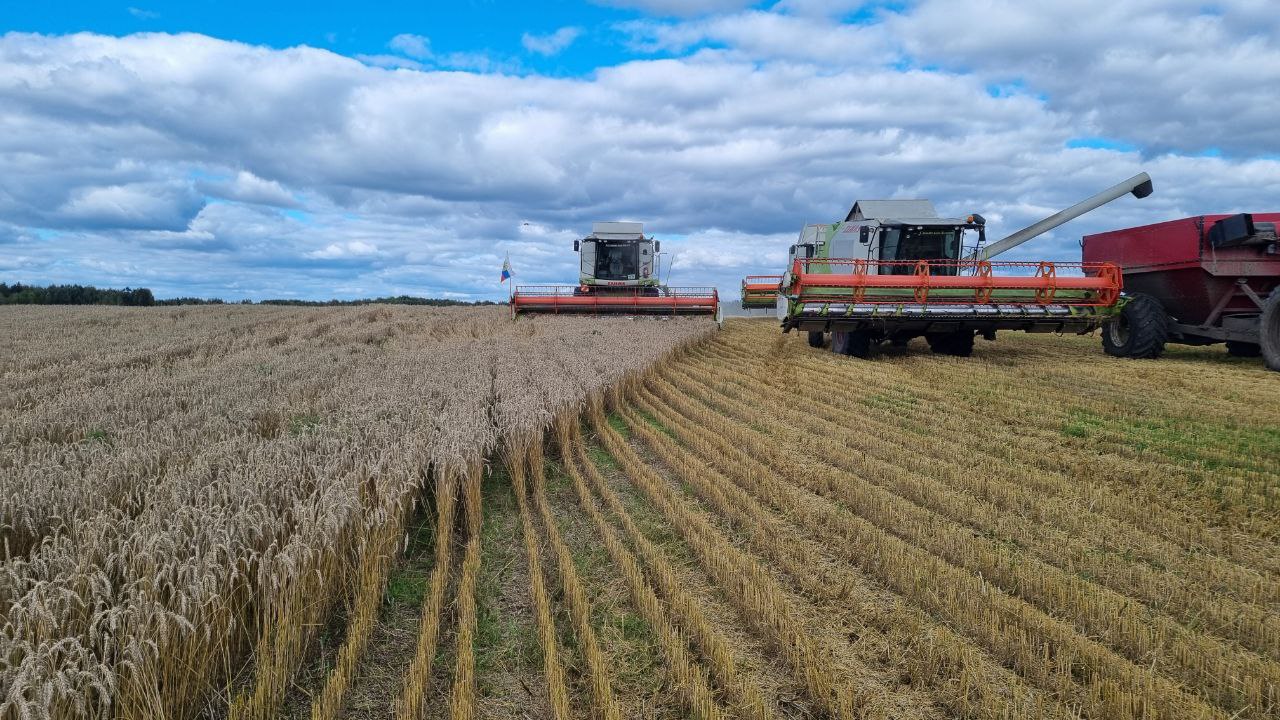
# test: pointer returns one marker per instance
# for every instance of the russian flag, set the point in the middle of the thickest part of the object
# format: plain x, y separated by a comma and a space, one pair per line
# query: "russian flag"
506, 270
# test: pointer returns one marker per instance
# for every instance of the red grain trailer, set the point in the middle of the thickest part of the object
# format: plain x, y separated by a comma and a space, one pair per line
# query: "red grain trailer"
1197, 281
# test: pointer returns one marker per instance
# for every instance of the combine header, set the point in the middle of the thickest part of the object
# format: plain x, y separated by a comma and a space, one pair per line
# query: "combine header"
894, 270
618, 275
760, 291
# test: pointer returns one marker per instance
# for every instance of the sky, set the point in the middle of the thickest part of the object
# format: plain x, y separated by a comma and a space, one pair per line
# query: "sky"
340, 150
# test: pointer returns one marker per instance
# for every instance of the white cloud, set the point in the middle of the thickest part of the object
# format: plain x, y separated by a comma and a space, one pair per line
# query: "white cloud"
349, 249
552, 44
249, 188
143, 14
329, 172
415, 46
1168, 74
134, 206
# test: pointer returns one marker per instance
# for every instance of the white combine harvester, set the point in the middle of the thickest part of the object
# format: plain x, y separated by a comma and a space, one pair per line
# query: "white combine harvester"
618, 275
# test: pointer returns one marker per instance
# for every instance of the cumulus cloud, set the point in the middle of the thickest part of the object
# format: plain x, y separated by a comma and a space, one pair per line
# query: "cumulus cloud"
415, 46
249, 188
156, 206
552, 44
349, 249
219, 168
1163, 74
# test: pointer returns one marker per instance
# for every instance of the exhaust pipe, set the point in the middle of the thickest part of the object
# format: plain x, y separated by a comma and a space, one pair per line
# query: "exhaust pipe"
1139, 185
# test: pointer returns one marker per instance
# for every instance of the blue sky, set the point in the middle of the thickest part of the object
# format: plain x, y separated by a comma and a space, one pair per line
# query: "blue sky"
492, 27
237, 150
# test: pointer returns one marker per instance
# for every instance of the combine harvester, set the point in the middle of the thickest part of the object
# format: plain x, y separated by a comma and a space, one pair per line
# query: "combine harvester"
617, 276
761, 291
894, 270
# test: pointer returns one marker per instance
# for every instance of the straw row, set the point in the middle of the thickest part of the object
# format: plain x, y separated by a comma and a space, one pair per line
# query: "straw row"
950, 589
711, 645
757, 596
414, 689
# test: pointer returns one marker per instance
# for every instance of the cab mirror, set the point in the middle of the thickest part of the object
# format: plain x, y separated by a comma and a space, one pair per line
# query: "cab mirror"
657, 246
575, 246
864, 234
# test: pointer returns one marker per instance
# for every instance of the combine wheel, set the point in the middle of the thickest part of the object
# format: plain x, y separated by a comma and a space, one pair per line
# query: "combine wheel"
839, 342
1236, 348
1269, 330
958, 343
856, 343
815, 338
1140, 331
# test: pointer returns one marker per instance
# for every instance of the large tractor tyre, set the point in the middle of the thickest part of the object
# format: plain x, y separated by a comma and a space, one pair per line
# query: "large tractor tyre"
855, 343
1269, 330
1139, 331
839, 342
958, 343
815, 338
860, 344
1236, 348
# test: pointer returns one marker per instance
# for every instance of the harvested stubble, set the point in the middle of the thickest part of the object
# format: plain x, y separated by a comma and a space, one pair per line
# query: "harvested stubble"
828, 450
928, 651
745, 579
463, 699
185, 492
745, 697
1231, 678
604, 706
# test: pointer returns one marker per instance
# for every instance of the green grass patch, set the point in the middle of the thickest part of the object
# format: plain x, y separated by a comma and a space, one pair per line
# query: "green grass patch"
655, 423
408, 587
503, 640
98, 435
408, 581
618, 424
299, 424
602, 459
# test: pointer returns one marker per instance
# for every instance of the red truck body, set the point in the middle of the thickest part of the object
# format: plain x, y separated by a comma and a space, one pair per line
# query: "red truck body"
1200, 286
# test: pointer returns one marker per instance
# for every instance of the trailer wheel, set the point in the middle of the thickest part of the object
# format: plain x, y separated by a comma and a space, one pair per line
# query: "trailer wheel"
1269, 330
1236, 348
959, 343
1140, 331
815, 338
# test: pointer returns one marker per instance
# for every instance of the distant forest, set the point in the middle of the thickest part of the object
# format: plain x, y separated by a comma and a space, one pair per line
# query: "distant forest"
20, 294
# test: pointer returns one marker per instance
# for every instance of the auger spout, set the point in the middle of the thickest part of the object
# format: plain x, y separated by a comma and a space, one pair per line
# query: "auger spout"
1139, 185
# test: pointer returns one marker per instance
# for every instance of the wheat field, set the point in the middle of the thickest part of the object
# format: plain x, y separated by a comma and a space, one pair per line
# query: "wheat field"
407, 513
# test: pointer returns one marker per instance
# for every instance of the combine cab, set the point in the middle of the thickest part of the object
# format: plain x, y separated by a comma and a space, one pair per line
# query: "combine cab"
760, 291
894, 270
618, 275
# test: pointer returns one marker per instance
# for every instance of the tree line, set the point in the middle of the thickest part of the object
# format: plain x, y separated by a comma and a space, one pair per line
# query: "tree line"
20, 294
